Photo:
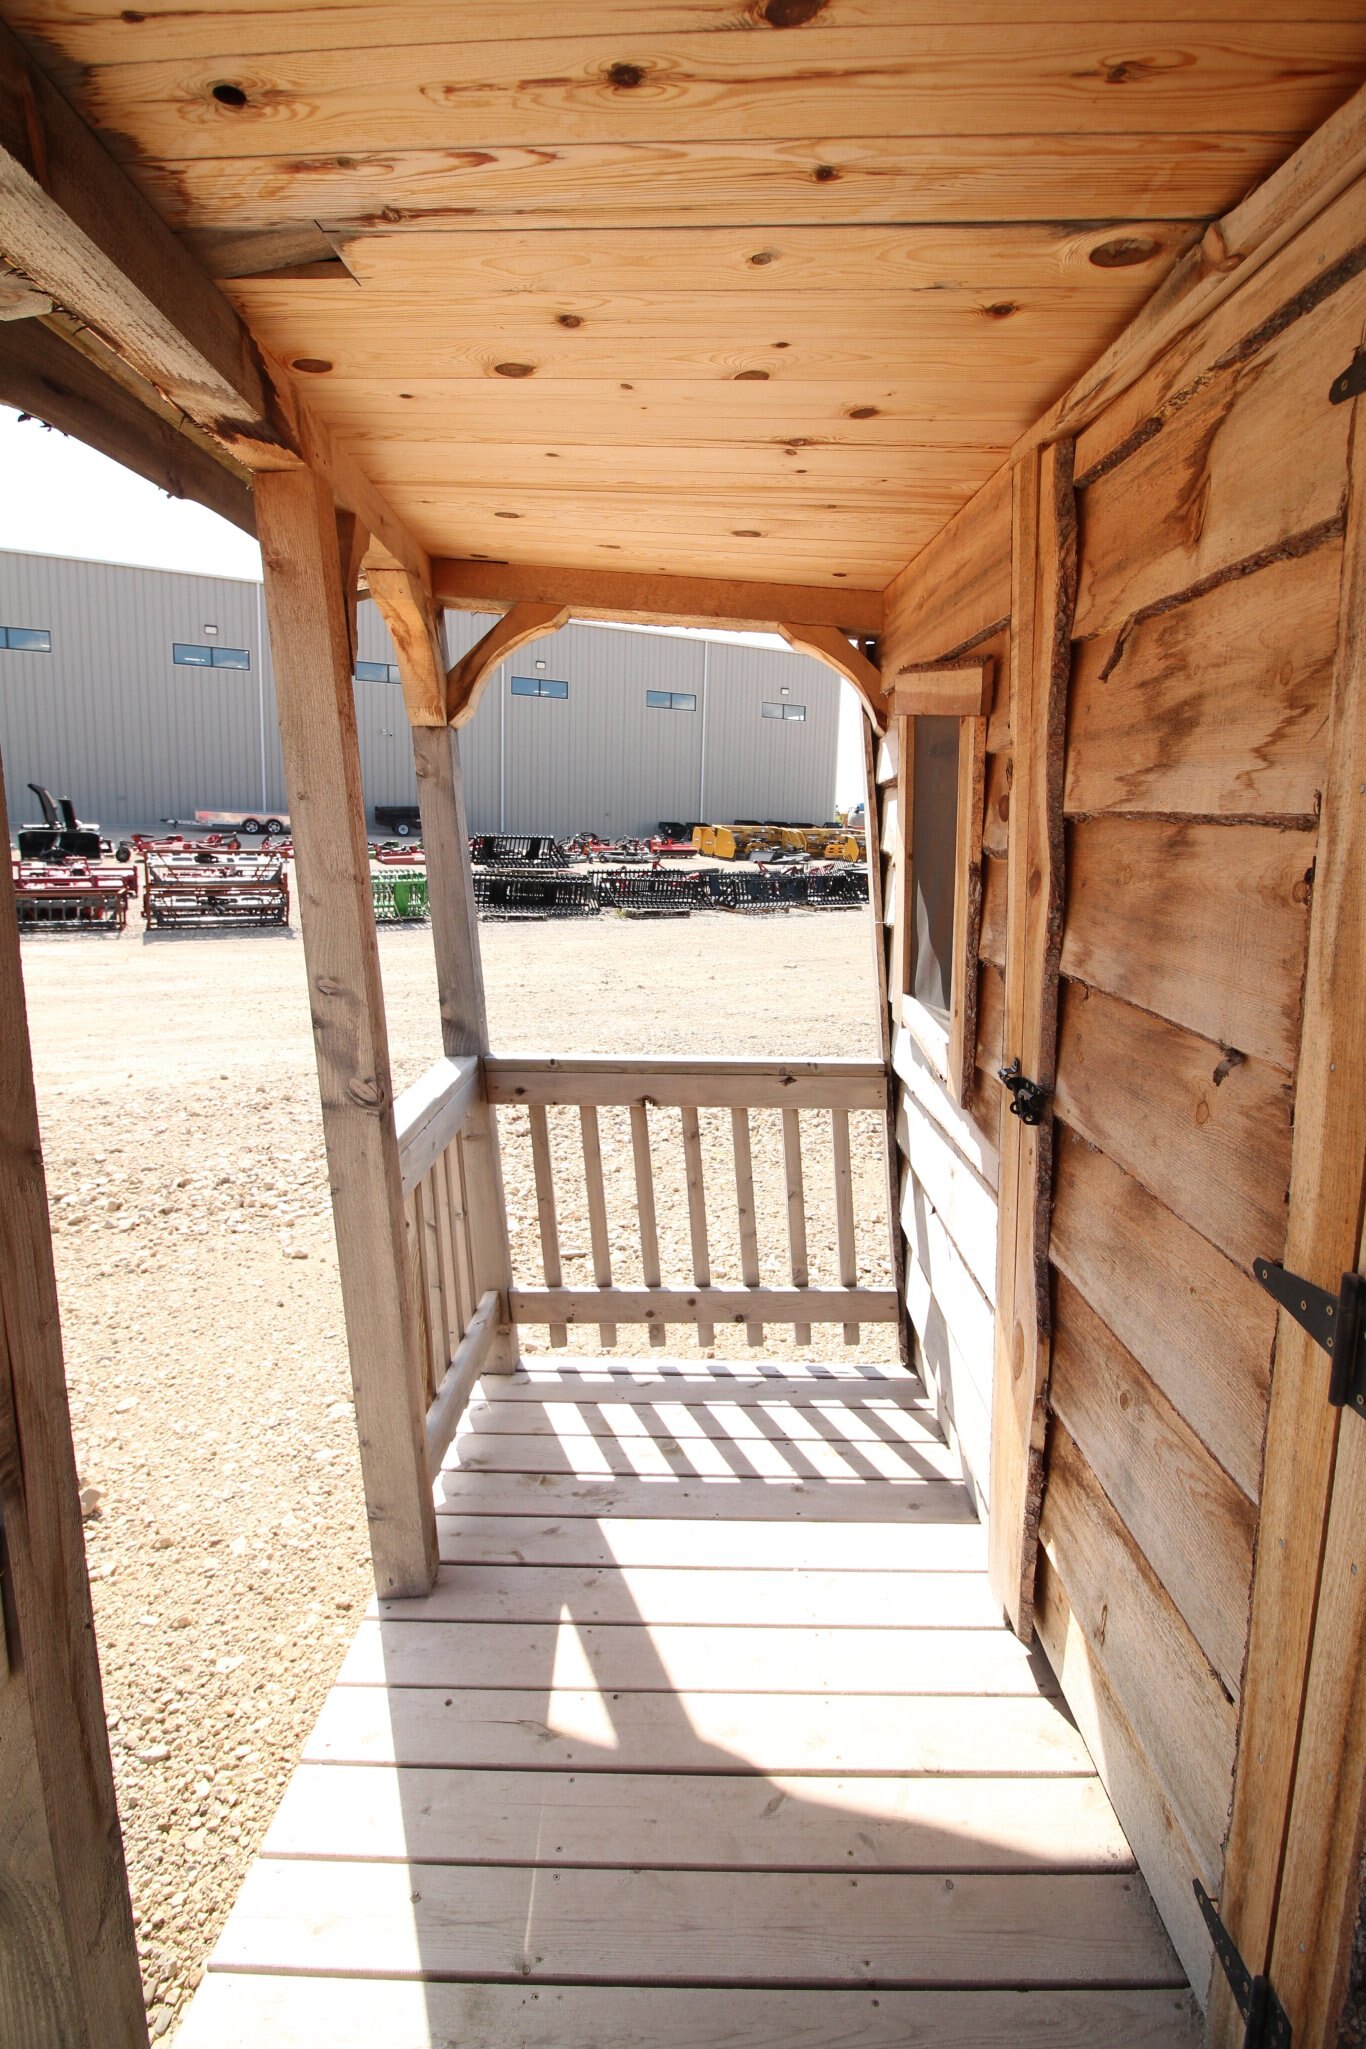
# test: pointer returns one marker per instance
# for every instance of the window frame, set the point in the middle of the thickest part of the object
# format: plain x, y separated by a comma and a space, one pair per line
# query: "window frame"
950, 1049
555, 688
388, 672
781, 713
184, 653
41, 634
673, 700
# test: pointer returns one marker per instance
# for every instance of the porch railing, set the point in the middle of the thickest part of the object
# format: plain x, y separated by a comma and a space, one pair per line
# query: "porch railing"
813, 1099
458, 1319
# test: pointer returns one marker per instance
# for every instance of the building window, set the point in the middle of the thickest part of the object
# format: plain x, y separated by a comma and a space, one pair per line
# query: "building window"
377, 672
947, 770
34, 640
538, 686
671, 700
188, 655
783, 711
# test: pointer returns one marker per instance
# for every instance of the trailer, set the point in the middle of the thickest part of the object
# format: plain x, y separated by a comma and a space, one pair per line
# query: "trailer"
261, 824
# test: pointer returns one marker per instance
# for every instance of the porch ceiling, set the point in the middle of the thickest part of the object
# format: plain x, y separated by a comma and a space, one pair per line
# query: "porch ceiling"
754, 288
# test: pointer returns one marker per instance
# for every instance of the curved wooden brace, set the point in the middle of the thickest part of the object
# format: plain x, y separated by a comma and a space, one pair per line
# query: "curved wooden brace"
466, 679
827, 644
407, 610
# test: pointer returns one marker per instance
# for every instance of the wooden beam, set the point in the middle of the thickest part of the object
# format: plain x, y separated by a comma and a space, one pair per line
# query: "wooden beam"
76, 226
465, 681
464, 1017
1044, 558
647, 600
68, 1956
951, 690
406, 607
316, 701
827, 644
41, 374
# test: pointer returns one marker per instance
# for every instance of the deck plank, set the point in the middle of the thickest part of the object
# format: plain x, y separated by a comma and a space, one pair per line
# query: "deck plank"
711, 1928
243, 2012
774, 1547
738, 1599
735, 1501
695, 1659
580, 1729
703, 1456
741, 1823
772, 1410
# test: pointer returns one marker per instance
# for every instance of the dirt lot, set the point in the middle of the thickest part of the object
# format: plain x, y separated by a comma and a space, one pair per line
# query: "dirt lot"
202, 1316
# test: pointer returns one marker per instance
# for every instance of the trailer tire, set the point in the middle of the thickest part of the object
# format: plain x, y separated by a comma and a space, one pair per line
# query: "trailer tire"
252, 825
274, 829
403, 829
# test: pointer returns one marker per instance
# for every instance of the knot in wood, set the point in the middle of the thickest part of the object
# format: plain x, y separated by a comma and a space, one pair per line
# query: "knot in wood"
365, 1092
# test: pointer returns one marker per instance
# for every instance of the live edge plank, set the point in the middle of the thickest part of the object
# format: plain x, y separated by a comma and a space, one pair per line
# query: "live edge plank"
744, 1823
719, 1928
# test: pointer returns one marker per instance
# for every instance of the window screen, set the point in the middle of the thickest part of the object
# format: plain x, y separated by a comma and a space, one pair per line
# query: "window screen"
35, 640
934, 835
538, 686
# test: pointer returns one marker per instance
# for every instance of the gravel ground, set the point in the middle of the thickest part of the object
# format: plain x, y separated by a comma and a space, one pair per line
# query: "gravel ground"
202, 1317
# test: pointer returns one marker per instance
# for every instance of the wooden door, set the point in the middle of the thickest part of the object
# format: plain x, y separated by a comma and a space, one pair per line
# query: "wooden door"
1174, 1505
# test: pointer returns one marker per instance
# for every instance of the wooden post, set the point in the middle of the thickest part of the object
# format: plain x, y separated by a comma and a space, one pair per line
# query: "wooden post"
1043, 549
464, 1018
68, 1956
306, 609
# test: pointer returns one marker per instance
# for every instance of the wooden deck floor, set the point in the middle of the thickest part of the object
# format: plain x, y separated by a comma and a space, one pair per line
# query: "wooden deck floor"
708, 1734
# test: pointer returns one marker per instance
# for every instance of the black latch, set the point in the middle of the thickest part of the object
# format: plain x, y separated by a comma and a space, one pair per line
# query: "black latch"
1352, 381
1027, 1098
1337, 1322
1266, 2020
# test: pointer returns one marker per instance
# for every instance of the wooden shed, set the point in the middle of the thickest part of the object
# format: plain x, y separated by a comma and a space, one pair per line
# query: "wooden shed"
1007, 359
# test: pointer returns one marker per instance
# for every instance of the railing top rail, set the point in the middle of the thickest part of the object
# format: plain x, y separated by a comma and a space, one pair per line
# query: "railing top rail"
428, 1115
698, 1082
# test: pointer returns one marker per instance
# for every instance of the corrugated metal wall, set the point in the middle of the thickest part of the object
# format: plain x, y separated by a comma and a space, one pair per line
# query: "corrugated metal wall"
110, 720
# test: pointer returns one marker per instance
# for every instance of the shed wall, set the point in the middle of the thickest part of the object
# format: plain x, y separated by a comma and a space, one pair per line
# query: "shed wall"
108, 718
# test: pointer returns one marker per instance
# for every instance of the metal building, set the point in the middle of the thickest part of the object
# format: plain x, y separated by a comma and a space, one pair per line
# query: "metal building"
147, 694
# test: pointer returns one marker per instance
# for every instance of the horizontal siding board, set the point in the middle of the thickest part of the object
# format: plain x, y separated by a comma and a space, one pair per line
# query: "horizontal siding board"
965, 1204
1225, 478
956, 587
1179, 1713
1202, 1329
1207, 925
1192, 1524
1208, 1136
972, 1130
1214, 709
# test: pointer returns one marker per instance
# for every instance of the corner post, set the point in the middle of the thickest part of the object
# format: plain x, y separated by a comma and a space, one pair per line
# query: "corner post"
68, 1957
306, 609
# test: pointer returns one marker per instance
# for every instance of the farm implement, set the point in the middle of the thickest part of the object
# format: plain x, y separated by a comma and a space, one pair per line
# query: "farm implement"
216, 888
72, 895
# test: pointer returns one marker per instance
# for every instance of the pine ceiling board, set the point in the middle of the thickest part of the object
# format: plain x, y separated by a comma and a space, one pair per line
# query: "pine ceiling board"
759, 561
986, 178
665, 412
107, 32
949, 340
887, 474
1126, 262
1035, 79
737, 515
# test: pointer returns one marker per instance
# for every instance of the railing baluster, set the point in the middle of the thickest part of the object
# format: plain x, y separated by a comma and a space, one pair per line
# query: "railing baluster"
597, 1211
645, 1203
545, 1209
421, 1364
445, 1242
453, 1160
796, 1212
744, 1202
844, 1209
438, 1311
697, 1214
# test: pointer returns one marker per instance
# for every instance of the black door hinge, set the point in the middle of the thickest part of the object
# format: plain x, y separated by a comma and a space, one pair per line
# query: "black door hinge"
1027, 1098
1351, 382
1266, 2021
1337, 1322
